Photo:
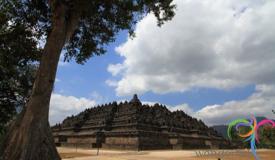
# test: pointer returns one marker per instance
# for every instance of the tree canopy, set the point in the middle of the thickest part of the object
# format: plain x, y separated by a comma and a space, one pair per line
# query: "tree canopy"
25, 24
18, 54
98, 20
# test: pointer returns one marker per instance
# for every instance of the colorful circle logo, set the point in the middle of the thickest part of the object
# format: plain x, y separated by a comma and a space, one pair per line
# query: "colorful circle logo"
253, 134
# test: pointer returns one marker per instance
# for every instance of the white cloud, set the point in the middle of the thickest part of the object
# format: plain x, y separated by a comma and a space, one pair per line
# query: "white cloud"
260, 103
57, 80
61, 63
115, 69
111, 83
183, 107
150, 103
98, 97
221, 44
62, 106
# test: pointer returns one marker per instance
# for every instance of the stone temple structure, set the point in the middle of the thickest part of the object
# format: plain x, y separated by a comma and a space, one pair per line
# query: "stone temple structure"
131, 125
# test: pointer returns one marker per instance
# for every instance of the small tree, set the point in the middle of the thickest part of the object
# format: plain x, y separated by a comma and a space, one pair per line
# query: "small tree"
82, 28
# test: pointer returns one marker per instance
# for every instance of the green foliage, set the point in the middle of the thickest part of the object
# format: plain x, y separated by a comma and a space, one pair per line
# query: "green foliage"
267, 137
237, 138
99, 20
18, 53
2, 133
25, 23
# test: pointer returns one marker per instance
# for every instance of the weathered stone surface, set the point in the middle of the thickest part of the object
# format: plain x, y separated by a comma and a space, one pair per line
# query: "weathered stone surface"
131, 125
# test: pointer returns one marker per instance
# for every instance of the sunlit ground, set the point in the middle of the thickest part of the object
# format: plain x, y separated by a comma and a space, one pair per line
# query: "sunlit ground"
81, 154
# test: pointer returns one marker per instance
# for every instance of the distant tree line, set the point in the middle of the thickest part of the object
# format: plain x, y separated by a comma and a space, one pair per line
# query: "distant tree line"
266, 137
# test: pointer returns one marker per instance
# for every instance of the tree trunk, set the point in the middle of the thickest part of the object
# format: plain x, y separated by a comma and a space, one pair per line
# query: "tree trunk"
30, 137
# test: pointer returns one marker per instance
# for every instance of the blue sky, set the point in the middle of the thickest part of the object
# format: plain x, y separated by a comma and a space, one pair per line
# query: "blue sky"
88, 81
217, 67
85, 80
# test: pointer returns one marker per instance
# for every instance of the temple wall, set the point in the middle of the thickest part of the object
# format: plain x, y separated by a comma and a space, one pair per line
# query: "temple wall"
88, 140
77, 145
130, 143
154, 142
148, 142
56, 139
121, 140
189, 143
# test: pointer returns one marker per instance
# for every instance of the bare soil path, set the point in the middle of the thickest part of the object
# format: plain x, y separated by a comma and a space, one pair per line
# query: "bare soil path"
83, 154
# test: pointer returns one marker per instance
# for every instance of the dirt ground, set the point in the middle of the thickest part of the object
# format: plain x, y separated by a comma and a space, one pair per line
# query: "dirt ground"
82, 154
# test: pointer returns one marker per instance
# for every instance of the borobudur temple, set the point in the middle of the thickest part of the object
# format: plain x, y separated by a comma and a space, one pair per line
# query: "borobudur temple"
135, 126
